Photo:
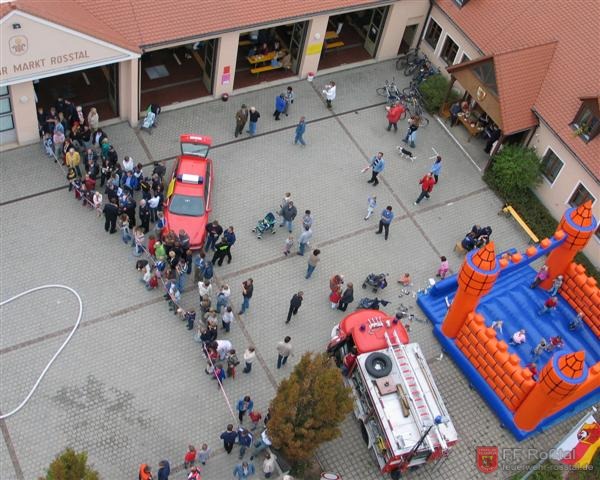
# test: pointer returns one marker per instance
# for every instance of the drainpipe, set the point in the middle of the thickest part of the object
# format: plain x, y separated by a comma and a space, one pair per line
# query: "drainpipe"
531, 135
425, 23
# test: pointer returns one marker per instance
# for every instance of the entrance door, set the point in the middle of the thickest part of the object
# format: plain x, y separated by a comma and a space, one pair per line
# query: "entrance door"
210, 48
408, 38
113, 87
296, 43
376, 23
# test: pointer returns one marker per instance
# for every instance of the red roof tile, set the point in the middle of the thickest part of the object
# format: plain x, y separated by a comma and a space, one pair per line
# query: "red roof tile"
500, 26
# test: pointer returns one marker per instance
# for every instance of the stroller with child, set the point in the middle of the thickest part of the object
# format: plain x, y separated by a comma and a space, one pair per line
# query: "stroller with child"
150, 120
371, 303
378, 281
265, 224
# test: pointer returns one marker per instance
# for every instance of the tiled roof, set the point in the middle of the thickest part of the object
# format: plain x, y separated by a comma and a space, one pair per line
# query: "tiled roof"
139, 23
497, 27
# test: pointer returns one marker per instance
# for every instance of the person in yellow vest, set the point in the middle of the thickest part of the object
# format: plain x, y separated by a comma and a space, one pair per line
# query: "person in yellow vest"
73, 159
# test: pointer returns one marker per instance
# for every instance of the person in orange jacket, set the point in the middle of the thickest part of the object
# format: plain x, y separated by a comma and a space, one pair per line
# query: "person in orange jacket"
394, 113
145, 473
427, 183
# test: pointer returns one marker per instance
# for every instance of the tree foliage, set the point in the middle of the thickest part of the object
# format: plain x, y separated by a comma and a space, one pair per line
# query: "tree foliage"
515, 169
70, 465
309, 407
434, 90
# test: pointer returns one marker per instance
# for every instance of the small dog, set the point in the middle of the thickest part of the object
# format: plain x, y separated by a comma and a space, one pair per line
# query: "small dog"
404, 153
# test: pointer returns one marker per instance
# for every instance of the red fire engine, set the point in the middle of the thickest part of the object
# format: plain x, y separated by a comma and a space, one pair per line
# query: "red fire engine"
402, 415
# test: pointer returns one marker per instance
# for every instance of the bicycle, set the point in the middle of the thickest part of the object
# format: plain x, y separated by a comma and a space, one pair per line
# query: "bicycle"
413, 107
406, 58
415, 65
425, 71
390, 91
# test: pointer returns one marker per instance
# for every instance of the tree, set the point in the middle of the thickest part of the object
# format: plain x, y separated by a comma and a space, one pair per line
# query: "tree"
309, 407
70, 465
434, 90
515, 170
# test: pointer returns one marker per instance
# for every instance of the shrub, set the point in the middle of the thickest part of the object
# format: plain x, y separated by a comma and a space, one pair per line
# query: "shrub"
70, 465
516, 169
434, 90
308, 408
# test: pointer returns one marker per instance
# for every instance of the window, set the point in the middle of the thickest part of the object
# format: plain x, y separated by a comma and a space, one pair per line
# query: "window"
551, 166
433, 33
486, 73
580, 196
6, 118
465, 58
586, 124
449, 51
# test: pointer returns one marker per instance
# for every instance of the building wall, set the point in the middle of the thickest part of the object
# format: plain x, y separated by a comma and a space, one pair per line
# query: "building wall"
400, 15
465, 46
555, 196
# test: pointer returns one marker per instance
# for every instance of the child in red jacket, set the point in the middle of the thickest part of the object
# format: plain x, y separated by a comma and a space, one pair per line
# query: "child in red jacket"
190, 457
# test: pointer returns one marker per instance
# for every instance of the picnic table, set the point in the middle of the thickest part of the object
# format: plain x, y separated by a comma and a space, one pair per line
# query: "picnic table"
255, 59
331, 35
470, 125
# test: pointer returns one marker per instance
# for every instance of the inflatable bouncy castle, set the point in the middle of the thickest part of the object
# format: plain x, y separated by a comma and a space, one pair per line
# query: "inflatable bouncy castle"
553, 370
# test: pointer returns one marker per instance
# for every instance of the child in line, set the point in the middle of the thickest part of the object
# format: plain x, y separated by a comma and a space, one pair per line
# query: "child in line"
203, 454
255, 418
190, 317
372, 202
232, 362
123, 224
444, 267
97, 199
289, 242
190, 457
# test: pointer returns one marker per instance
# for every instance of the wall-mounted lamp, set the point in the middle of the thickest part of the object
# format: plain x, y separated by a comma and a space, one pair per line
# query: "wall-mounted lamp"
16, 26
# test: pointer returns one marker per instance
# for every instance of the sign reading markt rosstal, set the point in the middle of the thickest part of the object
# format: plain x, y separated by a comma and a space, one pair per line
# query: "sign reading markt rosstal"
40, 63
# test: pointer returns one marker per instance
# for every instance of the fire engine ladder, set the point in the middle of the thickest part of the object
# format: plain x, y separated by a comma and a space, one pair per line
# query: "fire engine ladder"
420, 407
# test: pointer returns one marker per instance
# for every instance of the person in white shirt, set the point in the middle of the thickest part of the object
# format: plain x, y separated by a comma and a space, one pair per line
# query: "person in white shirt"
269, 465
128, 164
227, 319
204, 288
329, 92
249, 356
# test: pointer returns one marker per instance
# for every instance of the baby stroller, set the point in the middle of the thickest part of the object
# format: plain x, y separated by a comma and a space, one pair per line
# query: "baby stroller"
377, 281
150, 120
266, 224
371, 303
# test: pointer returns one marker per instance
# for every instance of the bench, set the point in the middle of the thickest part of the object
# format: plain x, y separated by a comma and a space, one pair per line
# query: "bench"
331, 45
266, 68
198, 59
508, 210
245, 43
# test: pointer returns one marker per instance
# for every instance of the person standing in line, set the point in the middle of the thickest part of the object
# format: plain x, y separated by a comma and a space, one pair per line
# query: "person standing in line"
244, 406
313, 260
227, 318
372, 200
73, 160
204, 454
144, 214
394, 113
229, 437
164, 470
145, 472
304, 240
249, 356
213, 232
111, 212
330, 92
347, 297
436, 168
269, 464
307, 219
288, 213
241, 117
223, 297
247, 291
245, 439
279, 106
253, 116
377, 164
289, 99
229, 235
284, 350
286, 199
384, 222
411, 133
300, 129
295, 304
244, 471
427, 183
289, 242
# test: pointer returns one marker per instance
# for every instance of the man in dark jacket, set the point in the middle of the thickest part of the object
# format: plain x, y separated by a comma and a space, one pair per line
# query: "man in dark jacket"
229, 437
347, 297
295, 303
164, 470
221, 251
111, 212
229, 235
213, 232
144, 213
245, 440
288, 213
241, 117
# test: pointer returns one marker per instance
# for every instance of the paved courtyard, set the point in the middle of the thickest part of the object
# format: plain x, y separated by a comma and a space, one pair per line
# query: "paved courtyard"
130, 386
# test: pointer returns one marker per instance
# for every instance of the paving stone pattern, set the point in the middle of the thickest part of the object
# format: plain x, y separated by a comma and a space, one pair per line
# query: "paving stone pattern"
130, 387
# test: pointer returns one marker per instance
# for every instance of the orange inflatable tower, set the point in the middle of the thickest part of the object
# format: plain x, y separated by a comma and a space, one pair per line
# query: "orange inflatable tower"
579, 225
475, 279
559, 380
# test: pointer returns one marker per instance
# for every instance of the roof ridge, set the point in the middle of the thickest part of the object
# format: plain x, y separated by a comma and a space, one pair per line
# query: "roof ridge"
521, 49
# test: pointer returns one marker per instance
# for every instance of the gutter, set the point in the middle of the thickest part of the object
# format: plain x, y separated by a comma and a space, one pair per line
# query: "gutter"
567, 146
481, 52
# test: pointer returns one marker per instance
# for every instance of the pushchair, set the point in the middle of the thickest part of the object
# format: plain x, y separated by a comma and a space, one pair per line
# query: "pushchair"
377, 281
265, 224
150, 120
371, 303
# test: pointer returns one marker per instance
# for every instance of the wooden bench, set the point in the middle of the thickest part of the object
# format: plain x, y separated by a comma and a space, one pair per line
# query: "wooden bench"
244, 43
508, 210
331, 45
266, 68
